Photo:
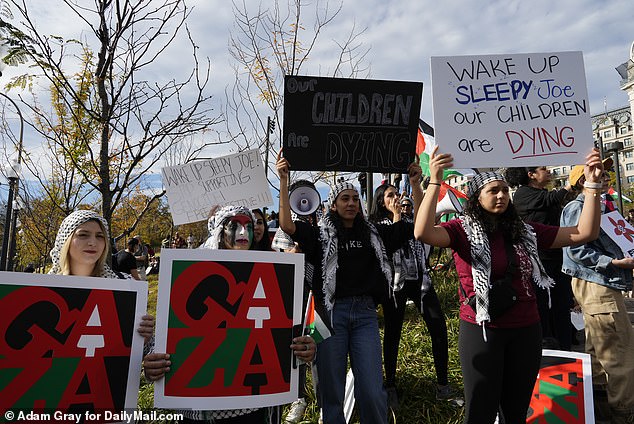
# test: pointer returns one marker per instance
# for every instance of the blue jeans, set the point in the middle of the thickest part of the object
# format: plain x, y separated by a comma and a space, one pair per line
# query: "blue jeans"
356, 333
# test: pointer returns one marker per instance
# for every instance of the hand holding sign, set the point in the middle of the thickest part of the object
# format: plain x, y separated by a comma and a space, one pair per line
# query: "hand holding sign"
438, 163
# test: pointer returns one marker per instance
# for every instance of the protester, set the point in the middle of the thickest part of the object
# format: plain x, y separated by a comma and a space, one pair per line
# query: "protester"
141, 256
410, 281
178, 242
496, 258
81, 248
284, 243
261, 239
191, 241
362, 178
125, 260
534, 203
231, 227
630, 216
600, 273
273, 220
352, 273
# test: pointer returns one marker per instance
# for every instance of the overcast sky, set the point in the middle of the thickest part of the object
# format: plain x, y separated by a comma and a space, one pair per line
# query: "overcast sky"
404, 34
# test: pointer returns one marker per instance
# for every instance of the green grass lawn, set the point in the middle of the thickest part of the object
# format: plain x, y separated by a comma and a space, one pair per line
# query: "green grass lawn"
415, 373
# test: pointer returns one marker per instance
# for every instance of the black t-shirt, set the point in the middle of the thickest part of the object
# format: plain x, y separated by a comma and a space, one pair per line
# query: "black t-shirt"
358, 271
126, 261
357, 267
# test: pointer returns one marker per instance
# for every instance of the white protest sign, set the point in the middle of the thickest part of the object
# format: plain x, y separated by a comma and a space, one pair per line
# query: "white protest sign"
512, 110
620, 231
195, 187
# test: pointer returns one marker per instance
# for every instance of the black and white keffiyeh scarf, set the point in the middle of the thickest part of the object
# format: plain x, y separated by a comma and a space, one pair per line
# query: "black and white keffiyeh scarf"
481, 263
330, 246
408, 263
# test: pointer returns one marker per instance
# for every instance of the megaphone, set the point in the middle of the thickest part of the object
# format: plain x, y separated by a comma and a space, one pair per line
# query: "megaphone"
303, 197
448, 204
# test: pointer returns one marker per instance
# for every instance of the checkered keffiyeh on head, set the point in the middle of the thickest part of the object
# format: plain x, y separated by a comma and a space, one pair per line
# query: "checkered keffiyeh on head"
67, 229
337, 189
480, 180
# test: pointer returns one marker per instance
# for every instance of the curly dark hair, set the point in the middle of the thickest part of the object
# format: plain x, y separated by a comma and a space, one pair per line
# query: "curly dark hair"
378, 211
518, 176
508, 221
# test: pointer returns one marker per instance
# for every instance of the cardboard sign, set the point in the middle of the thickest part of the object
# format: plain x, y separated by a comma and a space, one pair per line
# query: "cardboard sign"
620, 231
512, 110
195, 187
226, 317
563, 390
340, 124
69, 345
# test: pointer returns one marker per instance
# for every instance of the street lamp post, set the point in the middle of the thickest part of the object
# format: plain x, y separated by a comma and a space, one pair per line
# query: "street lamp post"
13, 176
614, 148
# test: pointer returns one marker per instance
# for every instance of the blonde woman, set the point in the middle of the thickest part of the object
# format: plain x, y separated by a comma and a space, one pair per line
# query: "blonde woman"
81, 248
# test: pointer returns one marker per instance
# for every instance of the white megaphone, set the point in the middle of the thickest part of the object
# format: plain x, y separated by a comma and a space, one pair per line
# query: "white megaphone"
303, 197
448, 204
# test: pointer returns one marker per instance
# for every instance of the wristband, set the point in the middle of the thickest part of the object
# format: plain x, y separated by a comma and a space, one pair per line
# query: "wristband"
438, 184
588, 184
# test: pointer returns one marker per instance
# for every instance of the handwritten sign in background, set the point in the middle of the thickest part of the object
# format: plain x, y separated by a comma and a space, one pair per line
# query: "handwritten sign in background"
226, 318
70, 343
237, 179
343, 124
512, 110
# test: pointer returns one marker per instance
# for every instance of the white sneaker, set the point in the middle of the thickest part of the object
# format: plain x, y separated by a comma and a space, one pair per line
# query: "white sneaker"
296, 412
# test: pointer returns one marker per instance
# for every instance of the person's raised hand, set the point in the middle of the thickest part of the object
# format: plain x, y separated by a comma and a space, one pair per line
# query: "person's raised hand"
438, 162
414, 171
593, 169
282, 166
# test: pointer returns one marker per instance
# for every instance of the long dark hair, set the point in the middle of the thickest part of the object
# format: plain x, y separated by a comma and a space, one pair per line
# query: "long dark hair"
378, 212
508, 221
265, 243
360, 228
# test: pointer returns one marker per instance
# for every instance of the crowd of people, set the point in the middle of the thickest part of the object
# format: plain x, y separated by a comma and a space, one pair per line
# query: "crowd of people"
522, 265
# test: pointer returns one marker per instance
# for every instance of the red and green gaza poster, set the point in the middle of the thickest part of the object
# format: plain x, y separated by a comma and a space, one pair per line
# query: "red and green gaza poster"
69, 344
227, 319
563, 390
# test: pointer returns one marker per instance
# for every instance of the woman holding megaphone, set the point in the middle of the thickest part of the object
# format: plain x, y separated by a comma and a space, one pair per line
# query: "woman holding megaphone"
497, 260
352, 273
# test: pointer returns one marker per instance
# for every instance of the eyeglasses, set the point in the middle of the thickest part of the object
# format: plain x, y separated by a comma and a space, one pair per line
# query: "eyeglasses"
406, 205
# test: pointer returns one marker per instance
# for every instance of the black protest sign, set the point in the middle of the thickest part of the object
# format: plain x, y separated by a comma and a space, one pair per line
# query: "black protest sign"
340, 124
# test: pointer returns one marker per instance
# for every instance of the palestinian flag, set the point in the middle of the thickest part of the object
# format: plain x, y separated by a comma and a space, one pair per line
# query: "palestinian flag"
615, 194
314, 325
425, 144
